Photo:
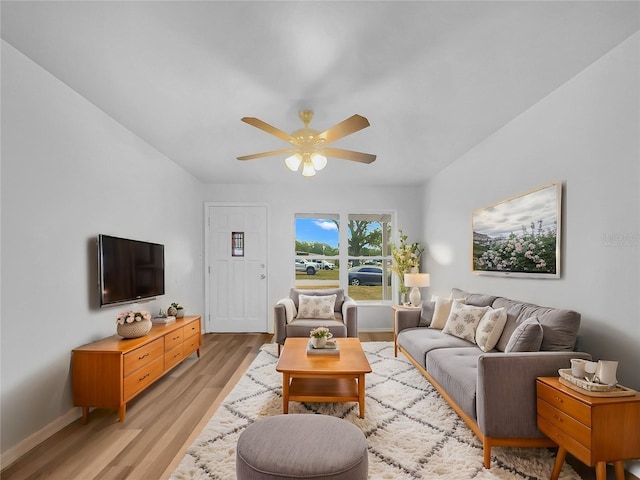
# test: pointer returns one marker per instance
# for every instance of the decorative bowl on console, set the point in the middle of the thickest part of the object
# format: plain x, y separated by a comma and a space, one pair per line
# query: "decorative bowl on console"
133, 324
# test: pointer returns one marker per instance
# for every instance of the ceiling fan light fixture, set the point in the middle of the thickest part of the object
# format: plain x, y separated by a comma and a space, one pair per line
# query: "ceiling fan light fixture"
319, 161
308, 170
293, 162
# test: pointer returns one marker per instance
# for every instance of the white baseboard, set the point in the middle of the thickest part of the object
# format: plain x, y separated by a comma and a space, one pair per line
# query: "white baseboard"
374, 330
14, 453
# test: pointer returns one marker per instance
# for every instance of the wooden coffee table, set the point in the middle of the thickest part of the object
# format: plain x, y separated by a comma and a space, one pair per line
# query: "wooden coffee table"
323, 378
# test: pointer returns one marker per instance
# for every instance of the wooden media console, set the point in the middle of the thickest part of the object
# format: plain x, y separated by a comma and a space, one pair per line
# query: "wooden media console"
110, 372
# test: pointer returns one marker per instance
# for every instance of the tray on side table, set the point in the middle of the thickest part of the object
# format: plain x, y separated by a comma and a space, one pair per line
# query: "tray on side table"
592, 389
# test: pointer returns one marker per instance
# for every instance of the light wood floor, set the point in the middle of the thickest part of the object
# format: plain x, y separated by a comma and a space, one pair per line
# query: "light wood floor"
161, 423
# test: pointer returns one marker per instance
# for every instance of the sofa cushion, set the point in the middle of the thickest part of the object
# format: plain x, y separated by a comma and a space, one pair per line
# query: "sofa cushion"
463, 320
419, 341
490, 328
317, 306
456, 371
527, 337
559, 326
477, 299
426, 313
294, 294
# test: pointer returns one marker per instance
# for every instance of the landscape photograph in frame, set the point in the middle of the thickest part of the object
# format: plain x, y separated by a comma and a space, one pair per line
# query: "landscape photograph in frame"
519, 236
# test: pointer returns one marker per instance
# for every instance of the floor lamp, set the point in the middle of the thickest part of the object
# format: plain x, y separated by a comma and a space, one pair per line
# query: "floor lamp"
416, 281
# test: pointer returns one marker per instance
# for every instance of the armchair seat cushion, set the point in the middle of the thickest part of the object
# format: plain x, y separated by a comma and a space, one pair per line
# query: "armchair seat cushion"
302, 327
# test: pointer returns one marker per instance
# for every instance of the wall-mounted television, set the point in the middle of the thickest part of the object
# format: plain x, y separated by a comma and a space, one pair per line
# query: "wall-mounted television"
129, 270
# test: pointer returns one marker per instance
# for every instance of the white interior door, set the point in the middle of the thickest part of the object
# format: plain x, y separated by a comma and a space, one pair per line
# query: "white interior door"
237, 296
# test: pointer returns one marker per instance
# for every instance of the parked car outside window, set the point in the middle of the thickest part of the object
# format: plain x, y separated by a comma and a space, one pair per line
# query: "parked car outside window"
366, 275
307, 266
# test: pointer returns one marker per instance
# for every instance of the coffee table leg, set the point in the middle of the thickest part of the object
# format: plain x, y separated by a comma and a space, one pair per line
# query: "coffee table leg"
285, 392
361, 394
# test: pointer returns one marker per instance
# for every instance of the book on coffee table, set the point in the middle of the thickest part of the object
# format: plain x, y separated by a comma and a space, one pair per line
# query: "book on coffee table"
331, 348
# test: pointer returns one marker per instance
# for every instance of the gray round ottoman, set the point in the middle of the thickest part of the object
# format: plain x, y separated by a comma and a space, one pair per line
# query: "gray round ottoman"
302, 446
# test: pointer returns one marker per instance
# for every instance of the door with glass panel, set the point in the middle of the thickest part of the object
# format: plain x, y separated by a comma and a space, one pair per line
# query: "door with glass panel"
237, 269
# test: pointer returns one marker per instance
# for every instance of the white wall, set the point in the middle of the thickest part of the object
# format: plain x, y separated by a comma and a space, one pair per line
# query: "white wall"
70, 172
585, 134
302, 196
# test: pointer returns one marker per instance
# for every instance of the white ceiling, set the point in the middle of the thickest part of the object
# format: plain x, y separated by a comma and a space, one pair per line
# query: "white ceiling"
433, 78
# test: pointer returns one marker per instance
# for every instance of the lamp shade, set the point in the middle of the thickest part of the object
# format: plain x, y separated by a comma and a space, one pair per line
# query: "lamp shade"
293, 162
416, 280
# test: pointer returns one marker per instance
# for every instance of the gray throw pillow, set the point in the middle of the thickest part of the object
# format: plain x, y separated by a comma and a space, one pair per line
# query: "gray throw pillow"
426, 313
527, 337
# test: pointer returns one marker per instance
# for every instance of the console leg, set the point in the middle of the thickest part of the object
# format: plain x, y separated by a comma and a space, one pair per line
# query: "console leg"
122, 411
85, 415
618, 465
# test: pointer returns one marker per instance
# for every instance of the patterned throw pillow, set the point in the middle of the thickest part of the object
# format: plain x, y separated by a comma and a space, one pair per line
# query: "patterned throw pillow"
317, 306
490, 328
441, 311
463, 320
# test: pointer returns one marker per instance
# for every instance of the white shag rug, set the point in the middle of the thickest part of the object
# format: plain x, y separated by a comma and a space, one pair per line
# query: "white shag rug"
411, 431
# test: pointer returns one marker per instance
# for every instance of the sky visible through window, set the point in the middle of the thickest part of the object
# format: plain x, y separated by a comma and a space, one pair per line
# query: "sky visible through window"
317, 230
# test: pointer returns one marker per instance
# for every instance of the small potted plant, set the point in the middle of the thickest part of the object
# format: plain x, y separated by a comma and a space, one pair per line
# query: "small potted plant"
132, 324
319, 337
179, 310
175, 310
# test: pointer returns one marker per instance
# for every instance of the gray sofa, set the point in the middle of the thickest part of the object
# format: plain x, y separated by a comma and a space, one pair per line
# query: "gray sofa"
494, 392
344, 323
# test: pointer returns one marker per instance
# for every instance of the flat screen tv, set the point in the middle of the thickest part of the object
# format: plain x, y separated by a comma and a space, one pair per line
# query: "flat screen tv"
129, 270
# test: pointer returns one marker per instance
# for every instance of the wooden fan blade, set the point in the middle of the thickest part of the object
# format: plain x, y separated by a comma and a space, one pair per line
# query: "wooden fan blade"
349, 155
266, 154
344, 128
256, 122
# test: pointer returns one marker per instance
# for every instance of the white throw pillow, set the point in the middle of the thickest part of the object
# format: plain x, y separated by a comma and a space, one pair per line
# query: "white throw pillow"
441, 311
463, 320
317, 306
490, 328
289, 308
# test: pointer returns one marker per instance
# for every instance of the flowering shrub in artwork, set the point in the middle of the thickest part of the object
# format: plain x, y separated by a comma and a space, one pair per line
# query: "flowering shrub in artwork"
528, 252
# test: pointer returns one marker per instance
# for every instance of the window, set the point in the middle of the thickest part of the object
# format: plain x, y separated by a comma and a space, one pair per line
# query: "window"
317, 251
366, 256
369, 257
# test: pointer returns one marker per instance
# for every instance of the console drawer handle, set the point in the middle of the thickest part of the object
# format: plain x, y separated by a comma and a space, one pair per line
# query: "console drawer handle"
143, 356
140, 379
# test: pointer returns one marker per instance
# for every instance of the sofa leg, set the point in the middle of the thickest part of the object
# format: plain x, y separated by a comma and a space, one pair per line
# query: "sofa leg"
486, 450
278, 349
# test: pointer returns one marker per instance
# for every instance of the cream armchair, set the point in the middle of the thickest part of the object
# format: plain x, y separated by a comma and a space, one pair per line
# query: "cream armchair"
292, 321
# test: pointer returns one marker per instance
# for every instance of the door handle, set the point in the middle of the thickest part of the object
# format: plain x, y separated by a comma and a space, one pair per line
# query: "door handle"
263, 276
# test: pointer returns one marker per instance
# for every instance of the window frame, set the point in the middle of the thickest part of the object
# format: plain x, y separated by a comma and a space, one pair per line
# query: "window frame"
385, 217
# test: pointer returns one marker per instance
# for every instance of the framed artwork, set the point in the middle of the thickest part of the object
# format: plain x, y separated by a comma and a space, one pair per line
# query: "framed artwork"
519, 236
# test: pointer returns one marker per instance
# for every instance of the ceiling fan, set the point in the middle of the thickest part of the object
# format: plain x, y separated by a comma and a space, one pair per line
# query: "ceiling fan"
309, 147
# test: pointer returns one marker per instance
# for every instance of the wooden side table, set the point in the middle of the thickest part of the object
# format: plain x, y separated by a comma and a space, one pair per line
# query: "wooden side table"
394, 309
595, 430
